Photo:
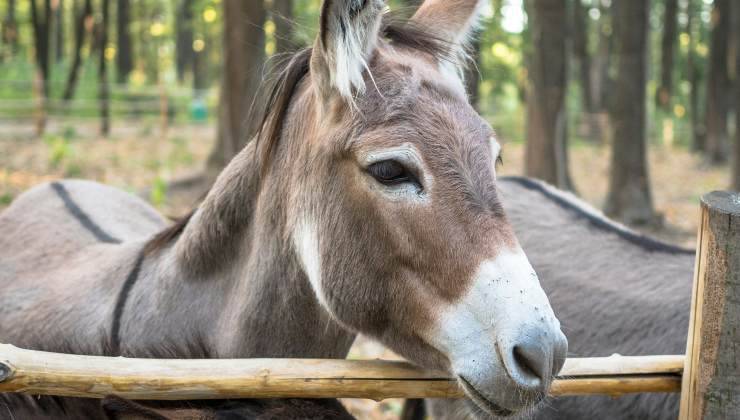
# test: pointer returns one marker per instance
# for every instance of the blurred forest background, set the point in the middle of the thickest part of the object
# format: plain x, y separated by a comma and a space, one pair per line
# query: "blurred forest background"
630, 104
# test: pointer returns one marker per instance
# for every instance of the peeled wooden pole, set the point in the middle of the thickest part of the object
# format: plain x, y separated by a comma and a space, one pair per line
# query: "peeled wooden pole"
711, 383
41, 373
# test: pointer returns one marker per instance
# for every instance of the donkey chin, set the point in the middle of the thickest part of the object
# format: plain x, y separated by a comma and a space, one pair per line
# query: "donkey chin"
502, 339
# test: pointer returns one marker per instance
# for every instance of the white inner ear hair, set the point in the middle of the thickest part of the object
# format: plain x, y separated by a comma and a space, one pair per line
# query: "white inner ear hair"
352, 41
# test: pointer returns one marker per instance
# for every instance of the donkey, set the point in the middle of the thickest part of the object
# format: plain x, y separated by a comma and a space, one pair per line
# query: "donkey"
114, 408
614, 290
367, 203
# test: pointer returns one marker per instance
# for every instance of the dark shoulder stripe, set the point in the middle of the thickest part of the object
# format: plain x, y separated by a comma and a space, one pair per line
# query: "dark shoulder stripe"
115, 334
643, 241
81, 216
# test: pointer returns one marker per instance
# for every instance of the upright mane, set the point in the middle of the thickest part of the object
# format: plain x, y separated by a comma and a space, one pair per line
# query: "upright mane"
289, 74
281, 89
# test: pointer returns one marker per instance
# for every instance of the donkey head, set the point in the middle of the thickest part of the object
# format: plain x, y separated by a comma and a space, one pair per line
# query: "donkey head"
395, 217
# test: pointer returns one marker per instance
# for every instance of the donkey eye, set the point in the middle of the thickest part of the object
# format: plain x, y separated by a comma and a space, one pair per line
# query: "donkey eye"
390, 172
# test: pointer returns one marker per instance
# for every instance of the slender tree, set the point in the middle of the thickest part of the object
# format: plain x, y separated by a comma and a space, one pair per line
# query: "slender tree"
580, 51
629, 196
546, 150
736, 167
124, 46
42, 23
244, 57
200, 55
184, 39
200, 67
59, 45
667, 52
104, 88
718, 84
10, 27
600, 80
282, 15
588, 70
82, 24
695, 76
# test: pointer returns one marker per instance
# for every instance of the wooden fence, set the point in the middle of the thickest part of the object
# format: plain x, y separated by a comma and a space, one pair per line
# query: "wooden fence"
708, 377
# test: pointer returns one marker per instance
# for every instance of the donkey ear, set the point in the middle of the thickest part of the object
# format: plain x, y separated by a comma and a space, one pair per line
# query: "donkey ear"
455, 21
347, 37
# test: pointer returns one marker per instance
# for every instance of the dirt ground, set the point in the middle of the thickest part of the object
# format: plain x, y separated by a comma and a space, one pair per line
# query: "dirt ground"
140, 159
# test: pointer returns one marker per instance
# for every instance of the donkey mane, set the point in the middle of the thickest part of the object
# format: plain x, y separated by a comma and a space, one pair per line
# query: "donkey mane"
571, 204
292, 70
281, 89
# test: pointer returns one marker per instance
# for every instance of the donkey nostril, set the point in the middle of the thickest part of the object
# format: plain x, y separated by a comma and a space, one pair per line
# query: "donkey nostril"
530, 361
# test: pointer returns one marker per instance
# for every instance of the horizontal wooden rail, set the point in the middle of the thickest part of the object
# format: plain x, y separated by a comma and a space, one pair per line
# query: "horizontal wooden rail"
42, 373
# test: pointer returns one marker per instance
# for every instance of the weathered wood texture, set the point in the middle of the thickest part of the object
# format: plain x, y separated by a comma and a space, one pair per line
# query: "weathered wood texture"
41, 373
711, 383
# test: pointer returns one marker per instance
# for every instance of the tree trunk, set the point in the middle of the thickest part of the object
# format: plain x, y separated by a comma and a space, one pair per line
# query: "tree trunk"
591, 115
472, 74
184, 39
200, 69
695, 76
546, 150
599, 78
736, 167
58, 8
667, 49
719, 86
104, 89
244, 57
124, 49
10, 28
282, 15
82, 20
629, 197
42, 28
580, 52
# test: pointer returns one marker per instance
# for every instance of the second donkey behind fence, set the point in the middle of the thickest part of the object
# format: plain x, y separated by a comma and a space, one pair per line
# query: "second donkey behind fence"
615, 291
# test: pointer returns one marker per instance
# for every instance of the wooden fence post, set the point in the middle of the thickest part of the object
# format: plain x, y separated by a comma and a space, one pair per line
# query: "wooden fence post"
711, 379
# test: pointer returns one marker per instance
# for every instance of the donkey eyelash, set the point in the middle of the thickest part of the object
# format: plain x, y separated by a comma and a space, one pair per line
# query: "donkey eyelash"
500, 160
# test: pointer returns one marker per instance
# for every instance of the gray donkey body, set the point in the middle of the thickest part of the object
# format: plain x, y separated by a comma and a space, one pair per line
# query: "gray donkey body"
614, 291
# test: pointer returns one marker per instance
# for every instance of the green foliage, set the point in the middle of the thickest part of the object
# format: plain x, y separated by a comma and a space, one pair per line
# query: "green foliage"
69, 132
59, 149
6, 199
158, 194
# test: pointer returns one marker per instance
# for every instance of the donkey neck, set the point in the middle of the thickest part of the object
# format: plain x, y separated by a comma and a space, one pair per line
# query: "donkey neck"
234, 262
